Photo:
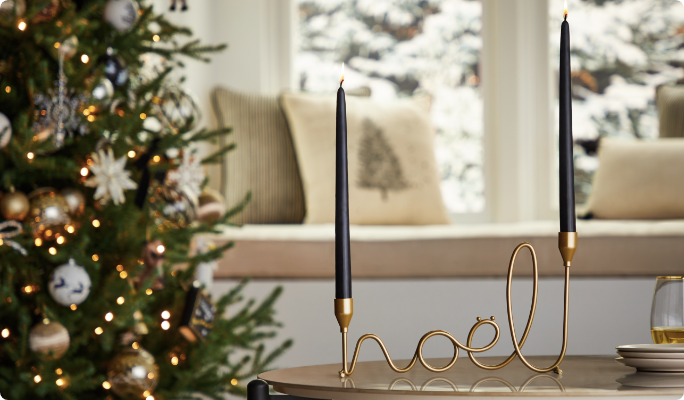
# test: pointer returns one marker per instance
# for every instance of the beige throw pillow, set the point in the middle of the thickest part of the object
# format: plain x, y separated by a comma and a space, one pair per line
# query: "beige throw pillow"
393, 175
639, 180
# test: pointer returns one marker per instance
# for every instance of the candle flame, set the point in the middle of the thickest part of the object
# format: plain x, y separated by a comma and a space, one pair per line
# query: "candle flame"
342, 76
565, 10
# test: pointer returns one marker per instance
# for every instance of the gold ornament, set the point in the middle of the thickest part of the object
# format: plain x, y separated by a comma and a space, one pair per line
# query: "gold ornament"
50, 339
132, 373
212, 206
47, 13
14, 205
153, 259
75, 200
49, 214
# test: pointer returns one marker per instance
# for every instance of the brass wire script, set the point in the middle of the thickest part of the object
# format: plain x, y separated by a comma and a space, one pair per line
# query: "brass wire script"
567, 244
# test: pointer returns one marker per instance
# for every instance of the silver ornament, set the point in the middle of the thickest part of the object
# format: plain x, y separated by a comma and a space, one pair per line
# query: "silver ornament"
5, 130
103, 91
58, 113
75, 200
178, 110
69, 284
68, 47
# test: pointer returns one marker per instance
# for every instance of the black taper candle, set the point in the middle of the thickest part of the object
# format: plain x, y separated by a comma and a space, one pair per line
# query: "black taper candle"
342, 250
567, 179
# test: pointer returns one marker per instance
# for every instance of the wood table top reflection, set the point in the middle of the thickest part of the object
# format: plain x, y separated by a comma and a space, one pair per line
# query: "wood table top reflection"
583, 376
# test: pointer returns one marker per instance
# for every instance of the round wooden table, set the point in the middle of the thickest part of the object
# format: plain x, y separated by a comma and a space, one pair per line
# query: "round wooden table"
583, 376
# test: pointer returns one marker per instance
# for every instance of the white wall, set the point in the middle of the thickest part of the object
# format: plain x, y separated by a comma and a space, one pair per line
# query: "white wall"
243, 66
604, 313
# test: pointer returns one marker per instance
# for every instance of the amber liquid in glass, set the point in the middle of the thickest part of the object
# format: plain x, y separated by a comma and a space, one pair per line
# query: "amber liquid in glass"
667, 334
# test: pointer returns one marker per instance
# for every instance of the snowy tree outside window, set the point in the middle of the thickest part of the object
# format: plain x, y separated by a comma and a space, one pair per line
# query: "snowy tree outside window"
398, 48
621, 51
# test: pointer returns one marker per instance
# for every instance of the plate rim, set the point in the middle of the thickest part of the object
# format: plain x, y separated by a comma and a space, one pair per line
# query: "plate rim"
667, 348
665, 368
652, 355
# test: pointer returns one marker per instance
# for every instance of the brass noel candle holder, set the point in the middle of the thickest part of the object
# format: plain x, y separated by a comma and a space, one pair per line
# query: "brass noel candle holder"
567, 244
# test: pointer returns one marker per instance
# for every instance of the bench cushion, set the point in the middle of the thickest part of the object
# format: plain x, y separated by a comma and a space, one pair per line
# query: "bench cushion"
606, 248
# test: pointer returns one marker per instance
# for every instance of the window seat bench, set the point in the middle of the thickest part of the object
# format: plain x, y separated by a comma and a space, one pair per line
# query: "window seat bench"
300, 251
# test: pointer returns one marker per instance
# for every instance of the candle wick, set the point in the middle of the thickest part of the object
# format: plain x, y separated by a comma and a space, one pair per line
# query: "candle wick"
341, 82
565, 17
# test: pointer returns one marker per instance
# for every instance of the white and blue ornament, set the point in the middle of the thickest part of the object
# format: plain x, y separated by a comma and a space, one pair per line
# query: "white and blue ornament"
121, 14
69, 284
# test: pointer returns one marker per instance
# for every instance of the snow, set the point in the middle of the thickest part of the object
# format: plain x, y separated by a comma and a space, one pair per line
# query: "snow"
622, 48
401, 47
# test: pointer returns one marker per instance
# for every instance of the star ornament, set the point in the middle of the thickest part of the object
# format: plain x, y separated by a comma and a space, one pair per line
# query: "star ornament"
189, 175
109, 177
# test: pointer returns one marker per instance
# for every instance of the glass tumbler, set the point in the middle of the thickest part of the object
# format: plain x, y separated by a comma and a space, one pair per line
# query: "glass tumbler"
667, 311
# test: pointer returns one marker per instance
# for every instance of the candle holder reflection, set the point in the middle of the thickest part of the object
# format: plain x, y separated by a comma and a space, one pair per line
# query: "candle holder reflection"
567, 244
454, 387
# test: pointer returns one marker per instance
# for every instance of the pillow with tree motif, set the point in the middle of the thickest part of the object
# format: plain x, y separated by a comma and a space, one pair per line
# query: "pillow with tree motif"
393, 178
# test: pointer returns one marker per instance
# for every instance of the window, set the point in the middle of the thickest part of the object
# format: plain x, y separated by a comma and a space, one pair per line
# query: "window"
401, 47
621, 50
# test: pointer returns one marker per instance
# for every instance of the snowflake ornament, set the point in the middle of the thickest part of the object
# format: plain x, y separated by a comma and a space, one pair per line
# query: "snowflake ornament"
109, 177
188, 177
58, 111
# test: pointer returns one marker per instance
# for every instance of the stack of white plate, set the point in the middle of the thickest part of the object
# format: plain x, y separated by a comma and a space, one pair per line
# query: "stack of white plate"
652, 357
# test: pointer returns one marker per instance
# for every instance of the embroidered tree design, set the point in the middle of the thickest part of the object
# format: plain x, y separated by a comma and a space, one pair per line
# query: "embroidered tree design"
380, 167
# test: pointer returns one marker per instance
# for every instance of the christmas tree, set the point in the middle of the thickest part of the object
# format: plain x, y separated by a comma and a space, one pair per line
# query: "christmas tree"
103, 196
380, 167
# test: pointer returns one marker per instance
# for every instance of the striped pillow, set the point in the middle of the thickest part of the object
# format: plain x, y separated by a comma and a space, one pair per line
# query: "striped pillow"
264, 161
670, 103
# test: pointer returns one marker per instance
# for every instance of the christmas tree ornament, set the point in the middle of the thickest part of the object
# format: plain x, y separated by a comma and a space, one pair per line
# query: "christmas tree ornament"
153, 259
188, 177
204, 273
49, 213
109, 177
68, 47
140, 327
69, 284
171, 207
8, 230
14, 205
212, 206
75, 200
198, 314
152, 124
177, 110
10, 8
115, 70
152, 65
121, 14
57, 114
5, 131
49, 338
47, 13
104, 90
132, 373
